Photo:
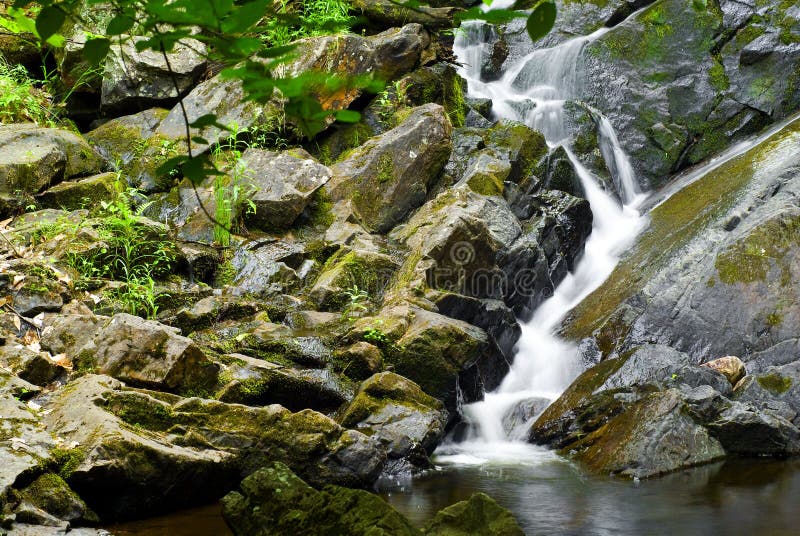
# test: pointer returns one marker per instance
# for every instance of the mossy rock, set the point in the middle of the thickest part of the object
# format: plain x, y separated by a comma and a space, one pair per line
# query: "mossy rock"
479, 515
50, 493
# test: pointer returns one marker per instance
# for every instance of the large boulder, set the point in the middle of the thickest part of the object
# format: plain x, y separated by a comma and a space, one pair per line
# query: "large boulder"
274, 501
143, 78
479, 515
384, 55
444, 356
147, 353
404, 163
32, 158
715, 273
399, 415
24, 443
282, 185
141, 452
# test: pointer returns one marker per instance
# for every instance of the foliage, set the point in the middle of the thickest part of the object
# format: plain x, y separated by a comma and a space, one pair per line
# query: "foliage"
357, 300
20, 99
129, 251
314, 17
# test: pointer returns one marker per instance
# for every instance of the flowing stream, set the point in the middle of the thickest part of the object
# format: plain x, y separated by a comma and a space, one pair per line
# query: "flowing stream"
534, 91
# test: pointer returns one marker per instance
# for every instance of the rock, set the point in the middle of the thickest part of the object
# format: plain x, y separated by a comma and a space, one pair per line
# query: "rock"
50, 493
651, 438
68, 333
142, 452
385, 55
369, 271
479, 515
24, 444
440, 84
399, 415
131, 143
728, 83
282, 185
730, 366
211, 310
36, 368
405, 162
491, 52
74, 195
517, 420
257, 382
263, 268
141, 78
442, 355
360, 360
32, 158
274, 501
147, 353
704, 286
742, 429
389, 14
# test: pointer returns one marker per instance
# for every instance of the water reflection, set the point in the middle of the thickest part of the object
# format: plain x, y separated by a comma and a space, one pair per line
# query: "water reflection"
733, 497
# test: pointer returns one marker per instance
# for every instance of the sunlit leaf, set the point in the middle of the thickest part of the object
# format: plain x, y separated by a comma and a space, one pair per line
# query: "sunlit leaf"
541, 19
49, 22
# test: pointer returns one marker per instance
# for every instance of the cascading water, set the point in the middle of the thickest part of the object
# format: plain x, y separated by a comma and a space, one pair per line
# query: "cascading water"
534, 91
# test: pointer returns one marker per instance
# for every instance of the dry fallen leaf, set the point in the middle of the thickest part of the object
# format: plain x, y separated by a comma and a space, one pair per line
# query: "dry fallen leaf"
31, 337
4, 223
17, 323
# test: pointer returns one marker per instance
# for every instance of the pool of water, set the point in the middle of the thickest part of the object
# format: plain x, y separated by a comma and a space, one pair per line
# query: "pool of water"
553, 497
757, 497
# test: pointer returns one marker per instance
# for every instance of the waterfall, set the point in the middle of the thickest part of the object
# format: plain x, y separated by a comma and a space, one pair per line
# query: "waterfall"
534, 91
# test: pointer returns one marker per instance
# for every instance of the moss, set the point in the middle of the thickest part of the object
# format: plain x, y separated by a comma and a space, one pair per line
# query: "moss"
67, 461
775, 383
774, 319
719, 78
751, 258
385, 171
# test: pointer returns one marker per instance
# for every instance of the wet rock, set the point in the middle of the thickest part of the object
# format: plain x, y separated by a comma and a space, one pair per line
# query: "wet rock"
142, 452
555, 228
493, 49
730, 366
147, 353
141, 78
32, 158
405, 162
652, 437
256, 382
479, 515
518, 419
742, 429
360, 360
282, 185
400, 416
274, 501
266, 268
74, 195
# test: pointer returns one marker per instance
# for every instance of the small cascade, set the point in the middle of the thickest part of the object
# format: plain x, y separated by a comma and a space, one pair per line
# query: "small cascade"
534, 91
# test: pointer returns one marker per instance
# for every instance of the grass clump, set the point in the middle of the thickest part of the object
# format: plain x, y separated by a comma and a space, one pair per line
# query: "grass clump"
296, 20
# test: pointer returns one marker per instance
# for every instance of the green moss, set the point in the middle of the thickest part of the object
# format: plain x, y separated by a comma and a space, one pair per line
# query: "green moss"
385, 169
67, 460
775, 383
719, 79
751, 258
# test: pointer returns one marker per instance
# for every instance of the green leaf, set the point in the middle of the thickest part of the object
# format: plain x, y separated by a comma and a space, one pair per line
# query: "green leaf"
348, 116
541, 19
119, 25
245, 16
96, 49
49, 22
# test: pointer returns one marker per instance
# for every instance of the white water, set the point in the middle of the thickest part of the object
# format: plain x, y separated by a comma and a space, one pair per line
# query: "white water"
534, 91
